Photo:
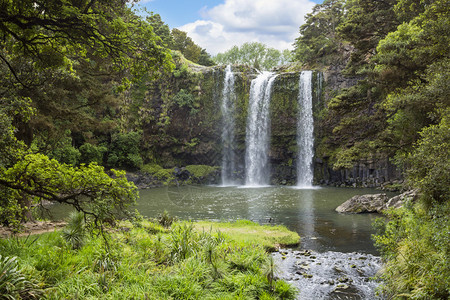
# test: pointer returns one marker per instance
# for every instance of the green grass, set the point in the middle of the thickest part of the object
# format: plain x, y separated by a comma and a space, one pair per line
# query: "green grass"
247, 232
415, 244
144, 260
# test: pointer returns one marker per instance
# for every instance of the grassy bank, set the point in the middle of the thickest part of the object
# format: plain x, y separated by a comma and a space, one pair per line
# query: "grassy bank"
145, 260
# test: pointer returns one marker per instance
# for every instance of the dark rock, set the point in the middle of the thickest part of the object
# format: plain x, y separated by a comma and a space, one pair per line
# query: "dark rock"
181, 174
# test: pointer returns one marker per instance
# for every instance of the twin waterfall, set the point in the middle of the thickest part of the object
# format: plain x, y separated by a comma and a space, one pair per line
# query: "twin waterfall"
228, 140
257, 167
257, 140
305, 130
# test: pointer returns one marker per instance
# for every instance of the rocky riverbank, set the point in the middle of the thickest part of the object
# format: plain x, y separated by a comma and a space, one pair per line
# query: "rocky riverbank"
329, 275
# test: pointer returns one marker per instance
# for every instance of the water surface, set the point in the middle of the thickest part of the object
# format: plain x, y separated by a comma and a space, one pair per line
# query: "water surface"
310, 212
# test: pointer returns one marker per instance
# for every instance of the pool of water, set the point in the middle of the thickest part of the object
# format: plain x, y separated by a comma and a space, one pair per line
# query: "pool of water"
310, 212
336, 256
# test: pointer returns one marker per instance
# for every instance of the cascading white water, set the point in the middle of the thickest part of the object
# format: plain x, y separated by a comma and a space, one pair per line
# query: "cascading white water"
228, 139
305, 130
258, 131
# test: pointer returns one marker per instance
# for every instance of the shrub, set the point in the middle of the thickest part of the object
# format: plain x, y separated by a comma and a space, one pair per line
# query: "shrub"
67, 155
416, 244
124, 150
91, 153
74, 233
13, 284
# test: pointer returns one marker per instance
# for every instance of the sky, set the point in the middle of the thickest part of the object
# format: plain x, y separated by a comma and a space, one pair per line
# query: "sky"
217, 25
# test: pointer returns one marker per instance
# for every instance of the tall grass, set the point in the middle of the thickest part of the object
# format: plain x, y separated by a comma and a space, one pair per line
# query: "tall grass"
416, 245
148, 261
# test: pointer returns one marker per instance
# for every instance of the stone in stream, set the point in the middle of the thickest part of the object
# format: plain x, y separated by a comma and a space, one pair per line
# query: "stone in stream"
375, 203
364, 204
332, 275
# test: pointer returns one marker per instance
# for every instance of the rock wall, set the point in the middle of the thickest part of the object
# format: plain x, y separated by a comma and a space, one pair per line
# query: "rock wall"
181, 122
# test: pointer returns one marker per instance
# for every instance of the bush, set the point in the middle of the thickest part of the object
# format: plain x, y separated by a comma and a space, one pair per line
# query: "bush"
429, 164
416, 244
124, 150
74, 233
91, 153
67, 155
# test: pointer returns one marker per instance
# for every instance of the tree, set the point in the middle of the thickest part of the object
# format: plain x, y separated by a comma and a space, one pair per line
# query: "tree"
365, 23
254, 54
87, 188
185, 45
319, 40
205, 59
57, 59
161, 29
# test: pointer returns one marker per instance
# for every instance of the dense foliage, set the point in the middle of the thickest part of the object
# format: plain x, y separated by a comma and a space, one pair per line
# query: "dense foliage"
398, 52
254, 54
64, 67
147, 261
416, 246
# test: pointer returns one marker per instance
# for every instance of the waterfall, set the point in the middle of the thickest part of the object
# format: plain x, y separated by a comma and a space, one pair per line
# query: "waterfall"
305, 129
228, 139
258, 127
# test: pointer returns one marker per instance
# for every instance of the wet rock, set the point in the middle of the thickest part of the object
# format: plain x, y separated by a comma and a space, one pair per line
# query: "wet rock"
181, 173
364, 204
330, 276
375, 202
344, 279
341, 287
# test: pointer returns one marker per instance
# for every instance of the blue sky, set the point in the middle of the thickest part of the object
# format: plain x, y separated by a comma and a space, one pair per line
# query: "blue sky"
217, 25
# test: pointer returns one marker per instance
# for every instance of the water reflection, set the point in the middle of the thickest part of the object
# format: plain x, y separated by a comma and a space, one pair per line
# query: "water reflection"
309, 236
310, 212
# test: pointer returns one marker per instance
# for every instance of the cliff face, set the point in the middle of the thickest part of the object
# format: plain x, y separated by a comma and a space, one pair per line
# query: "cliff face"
181, 121
375, 172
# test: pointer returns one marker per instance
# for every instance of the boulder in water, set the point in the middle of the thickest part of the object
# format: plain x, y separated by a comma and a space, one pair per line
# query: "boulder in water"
364, 204
375, 202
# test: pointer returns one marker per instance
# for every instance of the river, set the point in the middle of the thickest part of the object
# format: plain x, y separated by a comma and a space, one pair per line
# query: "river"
336, 256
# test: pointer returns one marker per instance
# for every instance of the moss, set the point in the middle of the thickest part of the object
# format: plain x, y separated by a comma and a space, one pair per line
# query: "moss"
200, 171
163, 175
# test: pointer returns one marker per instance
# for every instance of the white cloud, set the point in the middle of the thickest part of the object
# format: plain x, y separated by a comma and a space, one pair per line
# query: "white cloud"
272, 22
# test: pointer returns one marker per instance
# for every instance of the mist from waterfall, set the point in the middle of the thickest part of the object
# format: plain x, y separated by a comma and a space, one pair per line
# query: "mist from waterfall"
228, 128
305, 130
258, 131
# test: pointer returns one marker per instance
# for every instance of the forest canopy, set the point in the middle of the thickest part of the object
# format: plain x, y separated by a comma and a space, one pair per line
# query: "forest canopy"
254, 54
398, 52
63, 68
